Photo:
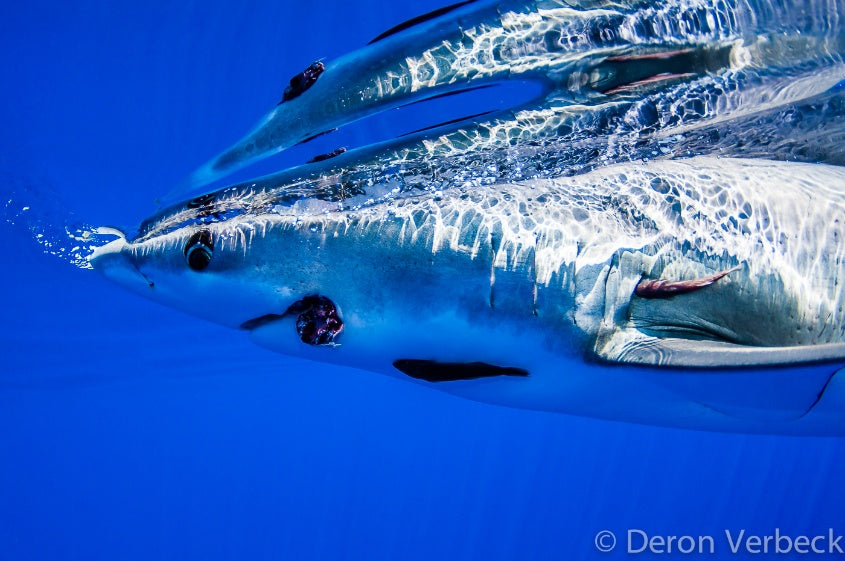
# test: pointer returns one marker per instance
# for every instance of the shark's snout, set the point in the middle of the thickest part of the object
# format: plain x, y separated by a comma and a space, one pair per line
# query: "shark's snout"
115, 264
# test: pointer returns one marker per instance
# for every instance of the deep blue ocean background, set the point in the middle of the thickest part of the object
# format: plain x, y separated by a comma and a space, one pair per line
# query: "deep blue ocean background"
129, 431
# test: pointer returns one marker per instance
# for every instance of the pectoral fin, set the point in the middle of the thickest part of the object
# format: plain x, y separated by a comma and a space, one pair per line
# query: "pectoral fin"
630, 346
782, 394
723, 377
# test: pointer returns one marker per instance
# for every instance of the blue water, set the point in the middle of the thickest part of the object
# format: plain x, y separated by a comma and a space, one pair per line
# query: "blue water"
130, 431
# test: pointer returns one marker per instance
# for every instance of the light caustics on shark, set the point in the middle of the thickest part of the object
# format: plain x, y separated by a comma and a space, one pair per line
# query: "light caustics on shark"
621, 246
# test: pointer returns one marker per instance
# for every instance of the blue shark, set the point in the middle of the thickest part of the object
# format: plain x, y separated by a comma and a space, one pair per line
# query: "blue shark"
586, 252
536, 284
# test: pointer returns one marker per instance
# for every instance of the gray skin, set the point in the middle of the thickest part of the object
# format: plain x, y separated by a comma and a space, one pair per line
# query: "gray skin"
542, 277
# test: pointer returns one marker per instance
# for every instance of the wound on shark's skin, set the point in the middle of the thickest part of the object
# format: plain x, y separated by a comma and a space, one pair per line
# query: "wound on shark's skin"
667, 288
318, 321
303, 81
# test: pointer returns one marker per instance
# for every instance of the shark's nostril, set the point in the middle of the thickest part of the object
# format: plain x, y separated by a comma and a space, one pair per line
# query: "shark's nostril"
113, 262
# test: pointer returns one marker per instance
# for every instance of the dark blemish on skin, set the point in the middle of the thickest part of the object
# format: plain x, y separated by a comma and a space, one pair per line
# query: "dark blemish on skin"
201, 201
328, 155
204, 205
302, 81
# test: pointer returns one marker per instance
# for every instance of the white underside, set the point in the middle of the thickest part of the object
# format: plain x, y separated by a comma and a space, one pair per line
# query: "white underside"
744, 400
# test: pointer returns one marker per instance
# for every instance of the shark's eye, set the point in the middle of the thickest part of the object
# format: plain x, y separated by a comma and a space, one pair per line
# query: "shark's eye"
198, 250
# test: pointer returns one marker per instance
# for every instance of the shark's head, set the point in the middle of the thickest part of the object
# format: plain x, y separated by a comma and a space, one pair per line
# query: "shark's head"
370, 287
